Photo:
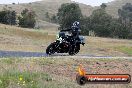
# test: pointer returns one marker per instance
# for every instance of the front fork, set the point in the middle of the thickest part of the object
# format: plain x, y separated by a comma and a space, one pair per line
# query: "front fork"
57, 43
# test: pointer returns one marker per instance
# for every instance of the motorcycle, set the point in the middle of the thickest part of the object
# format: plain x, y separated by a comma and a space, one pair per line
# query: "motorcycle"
65, 44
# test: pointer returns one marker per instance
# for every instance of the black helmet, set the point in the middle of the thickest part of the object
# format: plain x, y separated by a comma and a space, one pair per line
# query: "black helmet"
76, 23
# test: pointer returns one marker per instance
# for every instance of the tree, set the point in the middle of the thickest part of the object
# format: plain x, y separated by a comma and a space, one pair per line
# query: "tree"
24, 12
8, 17
85, 25
47, 15
118, 30
68, 13
27, 19
100, 22
11, 17
2, 17
125, 17
125, 14
103, 6
54, 19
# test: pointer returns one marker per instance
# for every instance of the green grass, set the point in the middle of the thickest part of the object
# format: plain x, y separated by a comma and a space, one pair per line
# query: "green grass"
125, 49
23, 79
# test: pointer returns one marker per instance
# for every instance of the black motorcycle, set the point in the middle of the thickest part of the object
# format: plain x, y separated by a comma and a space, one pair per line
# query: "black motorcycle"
65, 44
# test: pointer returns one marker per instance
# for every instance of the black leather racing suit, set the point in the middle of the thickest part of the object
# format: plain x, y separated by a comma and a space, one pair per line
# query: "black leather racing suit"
75, 32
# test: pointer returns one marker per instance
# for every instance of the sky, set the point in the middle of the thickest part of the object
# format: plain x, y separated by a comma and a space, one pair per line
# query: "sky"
16, 1
88, 2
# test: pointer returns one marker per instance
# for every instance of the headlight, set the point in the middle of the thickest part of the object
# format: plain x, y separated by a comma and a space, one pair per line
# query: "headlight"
57, 36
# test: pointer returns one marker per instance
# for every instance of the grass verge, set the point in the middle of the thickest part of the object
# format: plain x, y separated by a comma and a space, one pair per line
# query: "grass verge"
58, 72
125, 49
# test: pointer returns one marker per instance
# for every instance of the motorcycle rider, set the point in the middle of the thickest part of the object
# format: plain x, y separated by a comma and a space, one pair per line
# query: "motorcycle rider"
75, 32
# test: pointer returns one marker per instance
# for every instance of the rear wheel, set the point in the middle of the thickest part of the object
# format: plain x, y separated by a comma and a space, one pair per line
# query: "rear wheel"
50, 49
77, 48
71, 53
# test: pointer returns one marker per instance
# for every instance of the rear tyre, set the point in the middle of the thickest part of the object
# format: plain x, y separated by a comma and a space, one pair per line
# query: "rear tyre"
50, 49
77, 48
71, 53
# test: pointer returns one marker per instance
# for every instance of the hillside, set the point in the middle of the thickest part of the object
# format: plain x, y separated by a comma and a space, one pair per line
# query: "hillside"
50, 6
113, 6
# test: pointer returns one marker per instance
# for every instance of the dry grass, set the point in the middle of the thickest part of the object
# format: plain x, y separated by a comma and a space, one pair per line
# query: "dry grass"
61, 73
23, 39
106, 46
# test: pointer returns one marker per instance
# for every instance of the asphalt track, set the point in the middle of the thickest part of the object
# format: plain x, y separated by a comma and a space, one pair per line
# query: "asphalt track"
4, 54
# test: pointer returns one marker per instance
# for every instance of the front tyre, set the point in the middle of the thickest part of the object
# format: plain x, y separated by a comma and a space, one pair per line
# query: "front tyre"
50, 49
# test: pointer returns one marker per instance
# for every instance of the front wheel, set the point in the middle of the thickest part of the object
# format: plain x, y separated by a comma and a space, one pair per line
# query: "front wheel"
50, 49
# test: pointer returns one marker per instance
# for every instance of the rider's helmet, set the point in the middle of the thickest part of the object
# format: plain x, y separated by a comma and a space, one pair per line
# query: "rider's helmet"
76, 23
